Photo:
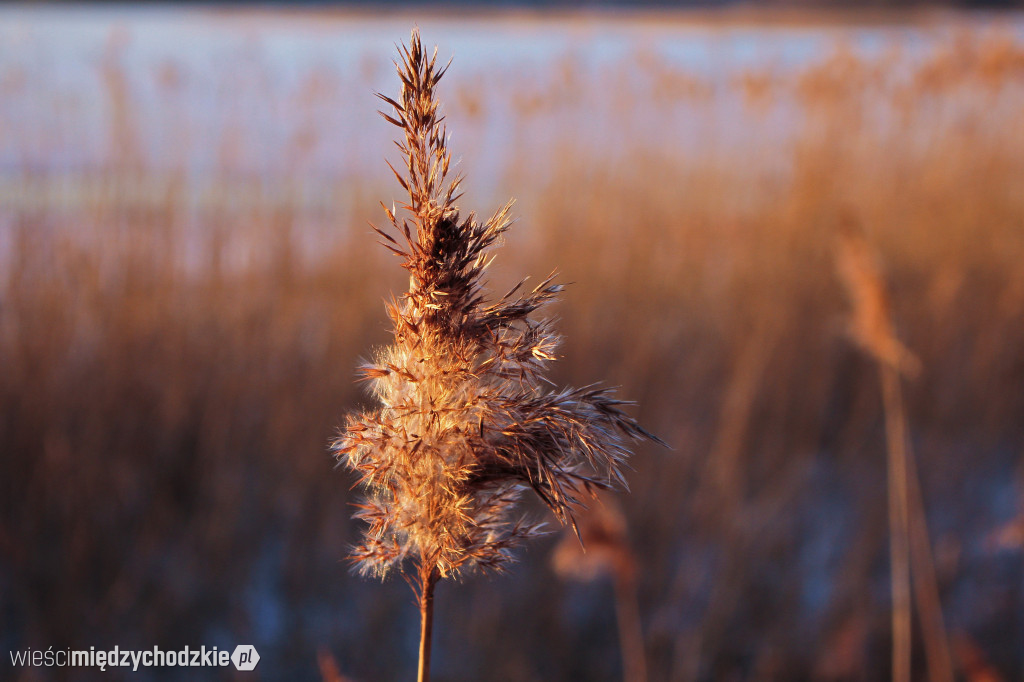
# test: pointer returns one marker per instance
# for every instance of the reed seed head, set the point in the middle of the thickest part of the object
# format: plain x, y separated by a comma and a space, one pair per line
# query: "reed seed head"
870, 323
465, 424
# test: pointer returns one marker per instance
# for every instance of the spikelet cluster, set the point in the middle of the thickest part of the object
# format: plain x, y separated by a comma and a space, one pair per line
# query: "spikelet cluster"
464, 424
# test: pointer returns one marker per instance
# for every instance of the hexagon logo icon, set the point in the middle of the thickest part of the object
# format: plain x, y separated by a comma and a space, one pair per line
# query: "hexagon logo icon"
245, 657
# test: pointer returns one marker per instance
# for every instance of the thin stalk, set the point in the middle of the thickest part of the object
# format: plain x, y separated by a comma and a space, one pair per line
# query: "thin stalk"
428, 579
631, 637
926, 585
899, 522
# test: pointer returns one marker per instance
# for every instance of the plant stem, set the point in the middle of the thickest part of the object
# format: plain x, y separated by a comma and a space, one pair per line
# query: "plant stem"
428, 579
926, 584
899, 523
631, 637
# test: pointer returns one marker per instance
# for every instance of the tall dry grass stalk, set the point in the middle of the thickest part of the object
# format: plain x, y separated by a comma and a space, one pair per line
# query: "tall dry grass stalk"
465, 422
910, 547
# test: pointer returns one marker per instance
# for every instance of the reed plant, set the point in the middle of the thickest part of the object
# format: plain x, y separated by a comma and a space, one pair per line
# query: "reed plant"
910, 548
467, 420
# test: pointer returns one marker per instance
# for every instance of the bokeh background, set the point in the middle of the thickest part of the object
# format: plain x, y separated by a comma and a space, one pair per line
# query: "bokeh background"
188, 282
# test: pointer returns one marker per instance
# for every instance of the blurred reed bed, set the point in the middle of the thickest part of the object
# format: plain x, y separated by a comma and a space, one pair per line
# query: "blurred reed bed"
175, 359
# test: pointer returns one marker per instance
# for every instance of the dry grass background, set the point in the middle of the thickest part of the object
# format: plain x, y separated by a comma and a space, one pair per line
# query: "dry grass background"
170, 377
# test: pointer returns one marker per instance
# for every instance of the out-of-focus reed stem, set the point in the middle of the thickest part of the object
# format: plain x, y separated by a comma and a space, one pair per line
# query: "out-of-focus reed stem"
899, 522
631, 636
926, 584
605, 535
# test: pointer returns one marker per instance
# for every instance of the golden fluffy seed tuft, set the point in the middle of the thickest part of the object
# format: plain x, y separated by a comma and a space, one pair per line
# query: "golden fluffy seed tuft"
465, 424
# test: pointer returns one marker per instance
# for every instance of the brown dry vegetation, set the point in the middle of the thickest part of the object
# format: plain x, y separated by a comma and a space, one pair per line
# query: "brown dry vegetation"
163, 427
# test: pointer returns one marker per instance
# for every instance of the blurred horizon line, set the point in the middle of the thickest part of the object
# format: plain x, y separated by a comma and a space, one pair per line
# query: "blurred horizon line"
727, 13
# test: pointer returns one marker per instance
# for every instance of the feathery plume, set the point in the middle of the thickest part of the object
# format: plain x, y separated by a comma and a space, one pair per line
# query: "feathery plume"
465, 424
871, 312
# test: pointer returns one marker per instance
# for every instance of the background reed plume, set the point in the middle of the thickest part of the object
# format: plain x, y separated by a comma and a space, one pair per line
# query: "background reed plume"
604, 548
465, 423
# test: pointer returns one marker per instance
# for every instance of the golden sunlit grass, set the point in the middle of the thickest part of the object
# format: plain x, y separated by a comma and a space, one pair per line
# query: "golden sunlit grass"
171, 374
